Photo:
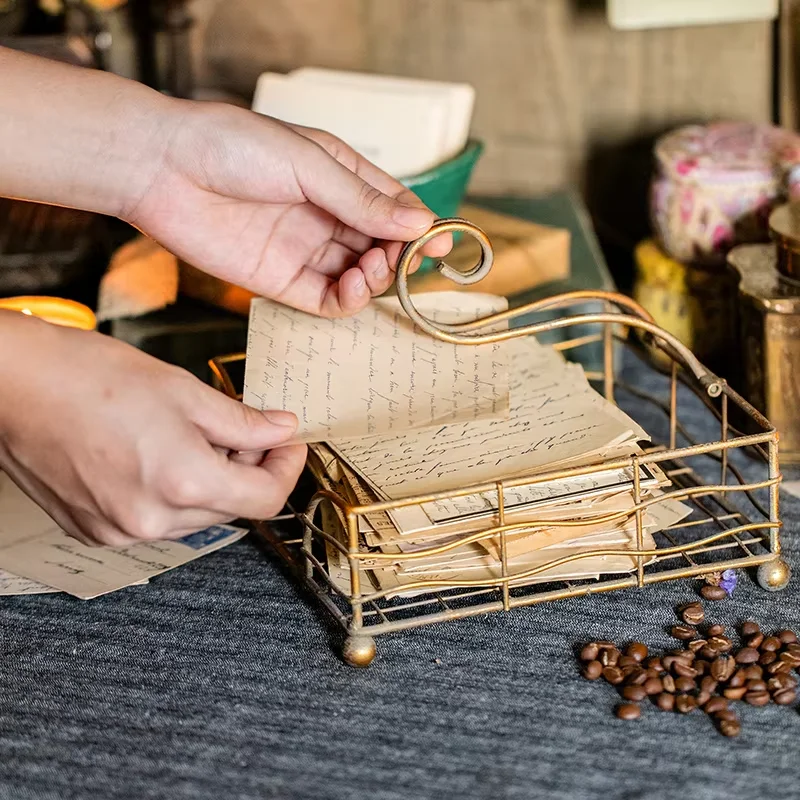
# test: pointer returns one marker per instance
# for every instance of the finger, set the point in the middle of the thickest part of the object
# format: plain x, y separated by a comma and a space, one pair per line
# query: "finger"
376, 271
333, 259
226, 422
321, 295
260, 492
360, 205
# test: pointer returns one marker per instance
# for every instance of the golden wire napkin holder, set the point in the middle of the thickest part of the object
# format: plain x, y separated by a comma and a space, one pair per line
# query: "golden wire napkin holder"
735, 522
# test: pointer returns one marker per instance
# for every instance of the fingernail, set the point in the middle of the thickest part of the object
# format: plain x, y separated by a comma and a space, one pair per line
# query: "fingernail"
412, 217
360, 284
284, 418
381, 269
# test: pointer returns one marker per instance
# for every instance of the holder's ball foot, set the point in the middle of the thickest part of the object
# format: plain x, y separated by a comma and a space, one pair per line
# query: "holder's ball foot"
359, 651
774, 575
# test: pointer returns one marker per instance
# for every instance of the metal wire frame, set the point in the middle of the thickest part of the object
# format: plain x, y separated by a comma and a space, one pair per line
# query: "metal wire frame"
695, 547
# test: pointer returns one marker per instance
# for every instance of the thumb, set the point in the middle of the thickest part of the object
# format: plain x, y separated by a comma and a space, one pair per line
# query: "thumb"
226, 422
352, 200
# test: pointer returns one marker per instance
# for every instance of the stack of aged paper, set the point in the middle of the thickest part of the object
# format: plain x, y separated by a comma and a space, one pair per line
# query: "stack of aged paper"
391, 413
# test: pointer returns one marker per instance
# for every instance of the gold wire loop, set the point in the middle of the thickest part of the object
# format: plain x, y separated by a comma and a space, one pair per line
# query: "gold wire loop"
464, 333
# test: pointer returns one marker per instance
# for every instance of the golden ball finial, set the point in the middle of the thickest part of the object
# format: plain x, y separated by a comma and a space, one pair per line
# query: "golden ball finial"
359, 651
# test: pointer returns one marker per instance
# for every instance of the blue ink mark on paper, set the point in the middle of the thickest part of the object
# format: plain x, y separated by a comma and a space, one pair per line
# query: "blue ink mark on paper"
209, 536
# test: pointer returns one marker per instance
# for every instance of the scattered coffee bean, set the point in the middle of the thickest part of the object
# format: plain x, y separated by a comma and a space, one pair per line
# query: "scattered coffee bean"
708, 684
668, 661
693, 614
593, 670
747, 655
669, 683
653, 686
683, 632
722, 668
613, 675
715, 704
702, 667
636, 650
737, 679
609, 656
735, 694
685, 703
771, 643
750, 628
792, 659
687, 656
627, 661
782, 681
654, 662
709, 652
590, 652
727, 714
716, 630
777, 667
682, 670
753, 672
756, 640
636, 678
730, 727
721, 643
793, 648
685, 685
653, 673
628, 711
713, 592
702, 698
756, 686
666, 702
697, 644
785, 697
757, 698
787, 637
634, 693
767, 657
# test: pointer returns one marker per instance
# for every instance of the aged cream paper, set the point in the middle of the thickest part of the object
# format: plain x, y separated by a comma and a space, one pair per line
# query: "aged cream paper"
375, 373
12, 584
32, 546
556, 419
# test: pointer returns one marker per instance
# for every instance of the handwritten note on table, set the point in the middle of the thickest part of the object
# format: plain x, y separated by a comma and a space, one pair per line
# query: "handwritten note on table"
374, 373
555, 417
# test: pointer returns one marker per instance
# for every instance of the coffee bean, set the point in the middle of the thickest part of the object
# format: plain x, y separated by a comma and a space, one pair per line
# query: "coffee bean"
793, 648
750, 628
613, 675
727, 714
708, 684
636, 650
757, 698
668, 661
756, 686
785, 697
767, 657
702, 698
771, 643
756, 640
609, 656
781, 681
709, 652
715, 704
697, 644
685, 703
716, 630
627, 671
713, 592
628, 711
666, 702
735, 694
753, 672
653, 686
787, 637
627, 661
730, 728
593, 670
634, 693
722, 668
653, 673
685, 685
636, 678
687, 656
747, 655
702, 667
669, 683
682, 670
721, 643
683, 632
590, 652
654, 662
737, 680
777, 667
791, 659
693, 614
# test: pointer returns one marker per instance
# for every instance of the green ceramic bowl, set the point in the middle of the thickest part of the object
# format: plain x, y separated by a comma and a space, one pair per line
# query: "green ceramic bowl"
443, 188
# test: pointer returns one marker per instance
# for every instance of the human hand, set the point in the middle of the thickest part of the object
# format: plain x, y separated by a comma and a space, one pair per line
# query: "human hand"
118, 447
287, 212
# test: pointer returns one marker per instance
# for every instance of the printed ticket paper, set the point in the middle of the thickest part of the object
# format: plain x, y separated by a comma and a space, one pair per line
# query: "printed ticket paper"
376, 372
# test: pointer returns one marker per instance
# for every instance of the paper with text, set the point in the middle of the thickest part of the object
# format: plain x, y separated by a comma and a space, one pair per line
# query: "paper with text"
32, 546
13, 584
555, 418
375, 373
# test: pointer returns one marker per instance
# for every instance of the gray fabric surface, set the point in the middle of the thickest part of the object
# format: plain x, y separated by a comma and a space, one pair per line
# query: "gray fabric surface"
219, 680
